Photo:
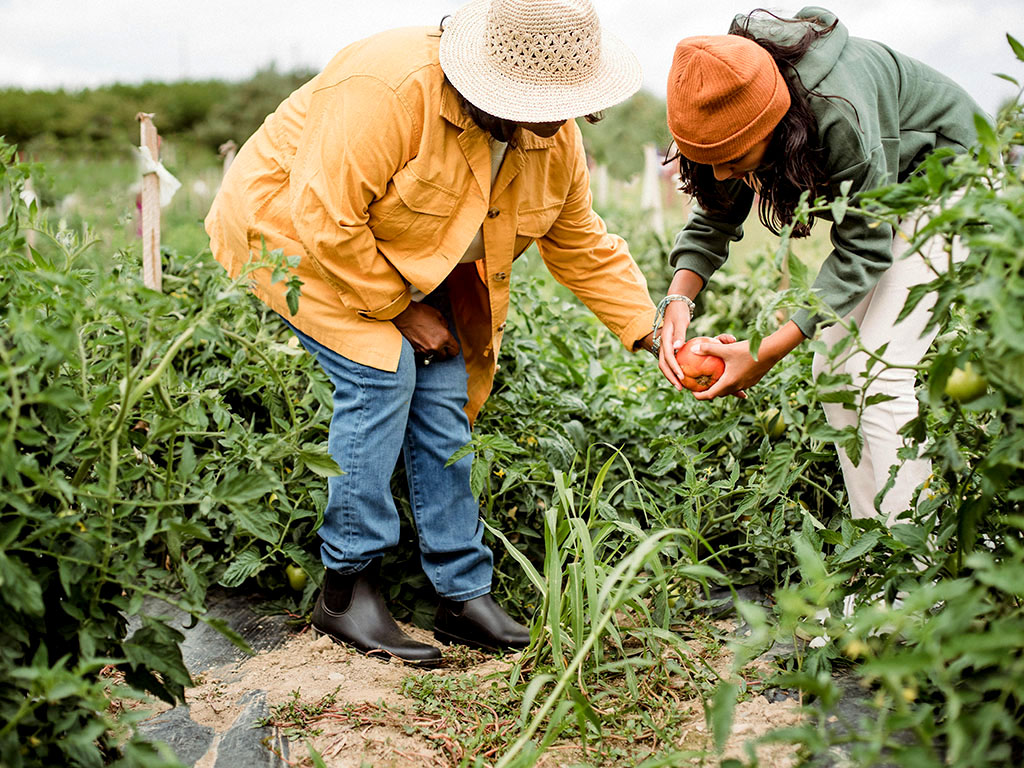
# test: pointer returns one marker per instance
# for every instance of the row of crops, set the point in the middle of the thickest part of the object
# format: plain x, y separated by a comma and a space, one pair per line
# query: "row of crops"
165, 444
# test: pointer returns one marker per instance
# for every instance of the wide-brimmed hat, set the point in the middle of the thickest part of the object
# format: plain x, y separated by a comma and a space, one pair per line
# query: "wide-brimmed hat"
536, 61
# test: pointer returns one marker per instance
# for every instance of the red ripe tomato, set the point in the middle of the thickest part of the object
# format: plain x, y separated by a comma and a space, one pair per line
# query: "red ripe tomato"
699, 371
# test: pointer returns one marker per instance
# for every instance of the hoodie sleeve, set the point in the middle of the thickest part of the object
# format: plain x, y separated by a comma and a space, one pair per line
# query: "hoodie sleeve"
702, 246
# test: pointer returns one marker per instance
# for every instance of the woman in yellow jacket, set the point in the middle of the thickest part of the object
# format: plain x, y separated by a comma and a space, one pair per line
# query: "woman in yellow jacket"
408, 176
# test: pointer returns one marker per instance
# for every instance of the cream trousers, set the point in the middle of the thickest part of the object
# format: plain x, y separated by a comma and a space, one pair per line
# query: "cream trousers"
908, 342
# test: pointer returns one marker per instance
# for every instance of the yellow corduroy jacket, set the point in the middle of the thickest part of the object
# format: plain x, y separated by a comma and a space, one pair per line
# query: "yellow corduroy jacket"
375, 177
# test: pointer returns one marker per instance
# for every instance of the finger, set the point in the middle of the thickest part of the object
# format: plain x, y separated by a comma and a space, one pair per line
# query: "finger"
451, 346
719, 388
741, 394
670, 344
726, 338
716, 350
664, 356
668, 374
668, 365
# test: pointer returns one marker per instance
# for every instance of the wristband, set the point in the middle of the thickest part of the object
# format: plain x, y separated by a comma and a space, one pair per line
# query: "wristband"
660, 314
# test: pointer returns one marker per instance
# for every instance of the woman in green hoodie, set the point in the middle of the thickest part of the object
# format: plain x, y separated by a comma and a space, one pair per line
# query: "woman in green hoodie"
782, 106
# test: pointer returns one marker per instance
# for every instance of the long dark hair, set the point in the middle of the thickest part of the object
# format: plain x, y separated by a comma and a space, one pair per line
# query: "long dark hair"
794, 160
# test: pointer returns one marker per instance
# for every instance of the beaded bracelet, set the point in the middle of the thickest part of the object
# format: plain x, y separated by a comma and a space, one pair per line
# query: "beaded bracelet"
660, 314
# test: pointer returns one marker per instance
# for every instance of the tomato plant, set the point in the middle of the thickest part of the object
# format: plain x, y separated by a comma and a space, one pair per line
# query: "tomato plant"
140, 432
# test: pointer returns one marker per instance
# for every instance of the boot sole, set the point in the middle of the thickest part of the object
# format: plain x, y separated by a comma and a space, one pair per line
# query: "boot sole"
379, 654
450, 639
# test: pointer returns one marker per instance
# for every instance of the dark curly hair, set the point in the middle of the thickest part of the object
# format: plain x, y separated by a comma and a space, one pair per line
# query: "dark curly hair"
794, 161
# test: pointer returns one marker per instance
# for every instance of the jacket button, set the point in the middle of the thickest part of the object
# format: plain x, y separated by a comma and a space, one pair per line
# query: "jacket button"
500, 276
493, 213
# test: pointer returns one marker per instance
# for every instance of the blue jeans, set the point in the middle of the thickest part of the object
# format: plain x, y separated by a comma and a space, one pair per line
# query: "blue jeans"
419, 410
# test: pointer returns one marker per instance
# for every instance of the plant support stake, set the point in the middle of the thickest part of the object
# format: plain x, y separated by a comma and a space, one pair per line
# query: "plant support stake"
227, 151
151, 269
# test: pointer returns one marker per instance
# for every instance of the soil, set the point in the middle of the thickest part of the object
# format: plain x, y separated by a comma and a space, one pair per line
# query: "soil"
366, 725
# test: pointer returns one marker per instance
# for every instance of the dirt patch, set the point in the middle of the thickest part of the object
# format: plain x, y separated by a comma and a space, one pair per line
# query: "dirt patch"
352, 711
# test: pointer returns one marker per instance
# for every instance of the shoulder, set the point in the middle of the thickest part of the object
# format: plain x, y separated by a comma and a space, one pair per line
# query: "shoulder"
397, 68
393, 58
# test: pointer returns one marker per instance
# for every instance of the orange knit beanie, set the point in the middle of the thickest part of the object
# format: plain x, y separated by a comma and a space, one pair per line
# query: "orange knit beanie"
725, 94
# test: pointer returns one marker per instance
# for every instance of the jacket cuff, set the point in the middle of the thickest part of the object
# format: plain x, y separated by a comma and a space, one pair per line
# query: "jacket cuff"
636, 330
388, 311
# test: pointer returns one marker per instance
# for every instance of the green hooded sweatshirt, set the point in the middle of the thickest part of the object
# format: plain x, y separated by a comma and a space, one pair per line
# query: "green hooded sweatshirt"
879, 114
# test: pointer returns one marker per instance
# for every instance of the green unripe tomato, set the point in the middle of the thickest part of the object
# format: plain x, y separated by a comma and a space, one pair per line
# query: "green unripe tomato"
296, 577
772, 423
966, 384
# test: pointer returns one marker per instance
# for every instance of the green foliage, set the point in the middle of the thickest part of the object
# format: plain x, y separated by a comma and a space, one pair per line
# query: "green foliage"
155, 445
150, 445
209, 111
618, 140
592, 578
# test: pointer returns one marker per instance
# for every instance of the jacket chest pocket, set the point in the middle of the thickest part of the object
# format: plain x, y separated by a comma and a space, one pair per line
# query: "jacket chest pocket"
412, 205
534, 223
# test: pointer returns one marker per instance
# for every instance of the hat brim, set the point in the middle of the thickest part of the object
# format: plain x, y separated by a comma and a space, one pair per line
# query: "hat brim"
616, 76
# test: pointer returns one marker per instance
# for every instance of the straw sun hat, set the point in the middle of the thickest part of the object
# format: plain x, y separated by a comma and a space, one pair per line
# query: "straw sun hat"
536, 61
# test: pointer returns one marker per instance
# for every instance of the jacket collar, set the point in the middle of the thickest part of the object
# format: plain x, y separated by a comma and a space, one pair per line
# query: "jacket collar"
451, 112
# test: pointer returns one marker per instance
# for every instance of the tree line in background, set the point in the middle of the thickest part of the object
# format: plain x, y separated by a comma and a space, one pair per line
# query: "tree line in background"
211, 112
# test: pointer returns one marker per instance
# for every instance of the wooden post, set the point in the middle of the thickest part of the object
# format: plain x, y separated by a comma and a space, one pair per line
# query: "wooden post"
651, 195
599, 182
227, 151
28, 194
151, 267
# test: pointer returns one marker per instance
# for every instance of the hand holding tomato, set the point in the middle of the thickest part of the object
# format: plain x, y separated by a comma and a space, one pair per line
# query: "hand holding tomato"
673, 336
695, 370
700, 372
742, 371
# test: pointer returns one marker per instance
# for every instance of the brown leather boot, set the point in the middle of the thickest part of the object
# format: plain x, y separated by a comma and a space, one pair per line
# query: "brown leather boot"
478, 623
351, 611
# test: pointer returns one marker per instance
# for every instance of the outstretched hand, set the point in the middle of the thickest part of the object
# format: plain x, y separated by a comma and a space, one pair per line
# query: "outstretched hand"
741, 369
673, 336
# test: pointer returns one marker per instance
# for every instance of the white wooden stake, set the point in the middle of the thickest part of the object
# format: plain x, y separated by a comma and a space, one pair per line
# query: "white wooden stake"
599, 184
651, 195
30, 194
227, 151
151, 268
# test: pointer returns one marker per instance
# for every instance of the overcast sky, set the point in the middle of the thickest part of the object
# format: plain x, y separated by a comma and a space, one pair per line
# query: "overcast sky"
85, 43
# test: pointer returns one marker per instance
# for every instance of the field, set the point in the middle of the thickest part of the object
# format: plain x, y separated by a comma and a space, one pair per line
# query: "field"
696, 590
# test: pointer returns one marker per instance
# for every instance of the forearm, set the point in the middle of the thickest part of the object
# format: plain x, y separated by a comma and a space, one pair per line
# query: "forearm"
777, 345
686, 282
